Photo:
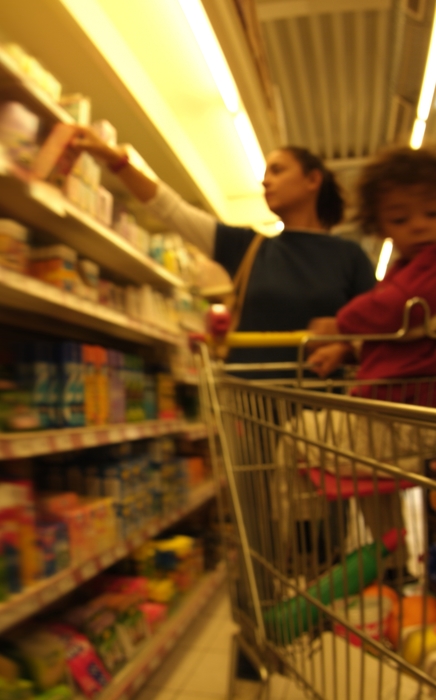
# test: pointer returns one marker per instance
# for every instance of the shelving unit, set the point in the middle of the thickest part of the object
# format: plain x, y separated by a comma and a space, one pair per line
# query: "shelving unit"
24, 293
151, 654
16, 86
42, 206
36, 597
28, 302
32, 444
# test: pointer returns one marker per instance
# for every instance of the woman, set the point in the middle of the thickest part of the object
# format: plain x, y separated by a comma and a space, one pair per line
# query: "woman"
301, 274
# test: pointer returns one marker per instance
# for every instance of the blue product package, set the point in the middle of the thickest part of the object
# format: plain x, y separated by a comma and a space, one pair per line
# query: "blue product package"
72, 392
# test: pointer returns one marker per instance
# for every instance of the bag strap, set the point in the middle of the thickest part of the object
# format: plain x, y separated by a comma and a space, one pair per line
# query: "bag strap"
240, 280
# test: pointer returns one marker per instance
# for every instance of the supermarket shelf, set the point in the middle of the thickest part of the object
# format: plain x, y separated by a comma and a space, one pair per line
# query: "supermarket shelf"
36, 597
42, 206
27, 294
190, 378
195, 431
151, 654
32, 444
14, 85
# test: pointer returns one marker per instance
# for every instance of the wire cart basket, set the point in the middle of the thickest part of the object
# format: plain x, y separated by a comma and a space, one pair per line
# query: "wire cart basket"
328, 522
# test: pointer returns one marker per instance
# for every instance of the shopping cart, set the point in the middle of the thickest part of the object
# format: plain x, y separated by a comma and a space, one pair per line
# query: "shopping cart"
327, 496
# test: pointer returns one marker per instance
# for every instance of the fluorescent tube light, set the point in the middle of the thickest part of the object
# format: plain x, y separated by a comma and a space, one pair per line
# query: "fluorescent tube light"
212, 52
383, 260
251, 145
429, 80
418, 132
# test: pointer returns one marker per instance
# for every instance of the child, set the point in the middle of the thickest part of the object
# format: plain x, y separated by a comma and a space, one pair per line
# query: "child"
397, 199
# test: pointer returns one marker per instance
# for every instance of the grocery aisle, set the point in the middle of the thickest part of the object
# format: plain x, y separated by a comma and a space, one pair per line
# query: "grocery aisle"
198, 667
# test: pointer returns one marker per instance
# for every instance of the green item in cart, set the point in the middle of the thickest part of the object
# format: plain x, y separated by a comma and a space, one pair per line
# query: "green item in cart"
59, 692
291, 618
19, 689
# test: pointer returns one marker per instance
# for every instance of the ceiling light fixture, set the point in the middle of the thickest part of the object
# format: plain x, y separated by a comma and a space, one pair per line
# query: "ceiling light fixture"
251, 145
427, 93
383, 259
212, 52
220, 71
417, 135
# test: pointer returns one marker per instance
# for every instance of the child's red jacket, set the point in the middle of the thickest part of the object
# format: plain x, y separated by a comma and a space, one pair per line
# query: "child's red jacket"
381, 311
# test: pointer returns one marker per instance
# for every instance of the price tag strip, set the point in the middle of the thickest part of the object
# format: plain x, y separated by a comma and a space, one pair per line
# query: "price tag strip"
21, 445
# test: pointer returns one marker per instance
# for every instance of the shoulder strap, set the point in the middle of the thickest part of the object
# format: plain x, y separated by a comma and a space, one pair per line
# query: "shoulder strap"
240, 280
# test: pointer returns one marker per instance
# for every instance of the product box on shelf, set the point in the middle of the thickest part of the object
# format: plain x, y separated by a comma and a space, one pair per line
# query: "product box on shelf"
32, 69
166, 396
18, 133
105, 131
42, 654
72, 387
14, 250
54, 160
99, 623
55, 265
10, 574
86, 668
105, 206
78, 107
29, 560
130, 621
53, 545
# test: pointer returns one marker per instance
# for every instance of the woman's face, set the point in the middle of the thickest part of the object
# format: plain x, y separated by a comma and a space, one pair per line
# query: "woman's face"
286, 186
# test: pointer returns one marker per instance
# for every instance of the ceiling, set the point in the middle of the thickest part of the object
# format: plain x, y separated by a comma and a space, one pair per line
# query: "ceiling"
339, 76
348, 72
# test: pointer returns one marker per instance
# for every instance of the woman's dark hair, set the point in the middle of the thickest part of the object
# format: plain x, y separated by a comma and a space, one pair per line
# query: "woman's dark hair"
398, 167
330, 203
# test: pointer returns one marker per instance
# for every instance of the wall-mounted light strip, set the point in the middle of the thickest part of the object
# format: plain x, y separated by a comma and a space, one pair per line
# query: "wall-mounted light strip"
220, 71
383, 259
212, 52
427, 93
250, 143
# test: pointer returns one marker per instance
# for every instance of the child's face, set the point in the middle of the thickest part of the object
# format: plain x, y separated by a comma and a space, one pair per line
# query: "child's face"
408, 216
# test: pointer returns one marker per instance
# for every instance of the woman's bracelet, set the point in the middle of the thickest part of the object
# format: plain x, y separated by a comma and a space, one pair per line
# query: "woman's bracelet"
119, 164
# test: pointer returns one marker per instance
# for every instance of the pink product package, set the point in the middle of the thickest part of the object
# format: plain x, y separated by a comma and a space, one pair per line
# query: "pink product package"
155, 614
125, 584
85, 666
18, 132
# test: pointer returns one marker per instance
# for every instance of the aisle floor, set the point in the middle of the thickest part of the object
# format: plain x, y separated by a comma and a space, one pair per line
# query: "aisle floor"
197, 669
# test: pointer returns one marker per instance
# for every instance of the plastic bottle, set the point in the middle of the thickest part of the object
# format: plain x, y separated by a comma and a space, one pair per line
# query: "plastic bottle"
290, 618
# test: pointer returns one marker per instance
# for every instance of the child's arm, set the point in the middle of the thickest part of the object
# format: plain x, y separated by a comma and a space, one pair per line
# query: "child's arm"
324, 360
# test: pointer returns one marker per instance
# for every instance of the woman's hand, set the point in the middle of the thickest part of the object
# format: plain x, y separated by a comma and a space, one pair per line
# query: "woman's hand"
86, 140
324, 360
116, 159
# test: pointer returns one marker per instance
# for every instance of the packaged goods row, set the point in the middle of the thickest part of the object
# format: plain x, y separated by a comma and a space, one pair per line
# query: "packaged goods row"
81, 647
61, 510
60, 266
49, 384
22, 138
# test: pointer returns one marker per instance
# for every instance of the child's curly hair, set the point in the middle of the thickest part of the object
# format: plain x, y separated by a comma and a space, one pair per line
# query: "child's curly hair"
399, 167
